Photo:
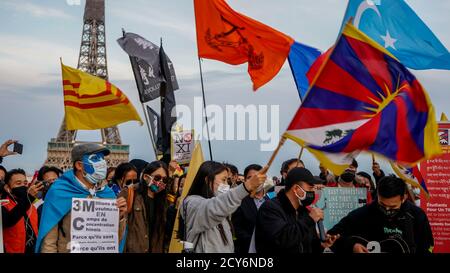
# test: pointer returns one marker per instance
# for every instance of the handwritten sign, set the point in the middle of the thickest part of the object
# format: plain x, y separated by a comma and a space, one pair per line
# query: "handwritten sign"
182, 146
94, 226
338, 202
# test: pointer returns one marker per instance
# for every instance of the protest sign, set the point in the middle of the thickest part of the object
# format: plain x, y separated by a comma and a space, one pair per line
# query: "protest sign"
436, 173
94, 226
182, 146
338, 202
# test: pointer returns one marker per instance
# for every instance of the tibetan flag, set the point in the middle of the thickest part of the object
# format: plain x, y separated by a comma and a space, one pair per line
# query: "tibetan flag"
411, 176
395, 26
228, 36
93, 103
364, 99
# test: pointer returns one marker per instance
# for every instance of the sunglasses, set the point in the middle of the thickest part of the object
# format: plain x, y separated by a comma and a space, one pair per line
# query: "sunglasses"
158, 178
131, 181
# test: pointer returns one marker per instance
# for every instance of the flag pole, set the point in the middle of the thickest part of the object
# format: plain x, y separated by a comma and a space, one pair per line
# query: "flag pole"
204, 107
143, 107
275, 153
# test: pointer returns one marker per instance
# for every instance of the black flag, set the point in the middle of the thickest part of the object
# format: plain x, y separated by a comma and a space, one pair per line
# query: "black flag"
155, 126
168, 114
146, 66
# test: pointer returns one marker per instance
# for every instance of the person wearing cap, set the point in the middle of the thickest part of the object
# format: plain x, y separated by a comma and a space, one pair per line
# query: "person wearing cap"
85, 180
285, 224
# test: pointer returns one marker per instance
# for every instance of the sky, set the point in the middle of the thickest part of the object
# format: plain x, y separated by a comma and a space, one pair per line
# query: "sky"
35, 34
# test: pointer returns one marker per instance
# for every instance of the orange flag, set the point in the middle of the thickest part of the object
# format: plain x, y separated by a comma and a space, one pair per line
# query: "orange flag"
228, 36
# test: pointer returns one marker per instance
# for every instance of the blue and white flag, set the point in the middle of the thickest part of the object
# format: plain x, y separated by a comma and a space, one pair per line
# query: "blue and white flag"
394, 25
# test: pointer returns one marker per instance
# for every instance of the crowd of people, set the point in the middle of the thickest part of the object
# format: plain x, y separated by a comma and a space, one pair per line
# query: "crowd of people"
224, 211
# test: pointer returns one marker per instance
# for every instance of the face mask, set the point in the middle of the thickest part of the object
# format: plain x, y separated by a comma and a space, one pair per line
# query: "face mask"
156, 185
95, 168
307, 199
416, 191
223, 188
20, 192
390, 214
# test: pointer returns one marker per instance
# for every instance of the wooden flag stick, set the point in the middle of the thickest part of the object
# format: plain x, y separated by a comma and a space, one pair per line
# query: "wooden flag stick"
301, 153
275, 153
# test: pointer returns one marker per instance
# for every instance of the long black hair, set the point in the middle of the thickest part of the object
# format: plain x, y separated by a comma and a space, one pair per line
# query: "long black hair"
203, 181
160, 199
203, 186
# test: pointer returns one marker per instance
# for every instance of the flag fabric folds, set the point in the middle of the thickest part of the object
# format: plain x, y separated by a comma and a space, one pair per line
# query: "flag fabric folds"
395, 26
155, 125
364, 99
168, 103
92, 103
145, 61
413, 176
228, 36
301, 58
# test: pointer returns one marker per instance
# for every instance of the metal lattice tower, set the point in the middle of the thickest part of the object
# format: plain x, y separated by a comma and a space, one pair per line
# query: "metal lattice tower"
92, 60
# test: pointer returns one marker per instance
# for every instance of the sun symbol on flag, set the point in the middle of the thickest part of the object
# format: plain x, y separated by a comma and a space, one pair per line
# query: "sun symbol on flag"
384, 99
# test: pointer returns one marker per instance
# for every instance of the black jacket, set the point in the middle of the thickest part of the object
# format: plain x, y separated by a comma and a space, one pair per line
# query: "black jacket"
244, 221
408, 232
282, 229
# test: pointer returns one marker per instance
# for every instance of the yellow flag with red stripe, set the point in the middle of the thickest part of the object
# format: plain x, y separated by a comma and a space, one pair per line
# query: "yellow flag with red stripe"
92, 103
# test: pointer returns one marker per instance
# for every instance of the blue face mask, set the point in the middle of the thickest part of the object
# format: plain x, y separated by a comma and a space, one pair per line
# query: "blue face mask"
95, 168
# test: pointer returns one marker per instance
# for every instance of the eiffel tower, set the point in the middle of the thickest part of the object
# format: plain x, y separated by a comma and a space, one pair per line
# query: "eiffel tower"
92, 60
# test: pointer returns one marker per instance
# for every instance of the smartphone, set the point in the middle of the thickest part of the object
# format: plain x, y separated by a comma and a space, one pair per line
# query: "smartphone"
18, 148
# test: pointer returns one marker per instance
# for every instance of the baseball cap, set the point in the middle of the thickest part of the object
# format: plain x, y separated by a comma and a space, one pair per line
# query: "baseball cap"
301, 174
86, 149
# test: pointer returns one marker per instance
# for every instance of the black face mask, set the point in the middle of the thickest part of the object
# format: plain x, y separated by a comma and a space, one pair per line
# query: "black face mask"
390, 214
308, 198
20, 192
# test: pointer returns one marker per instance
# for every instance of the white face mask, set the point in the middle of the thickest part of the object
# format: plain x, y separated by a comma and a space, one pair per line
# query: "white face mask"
223, 188
95, 169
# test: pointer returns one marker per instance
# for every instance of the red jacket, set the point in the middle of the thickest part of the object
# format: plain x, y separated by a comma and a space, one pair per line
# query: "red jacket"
14, 238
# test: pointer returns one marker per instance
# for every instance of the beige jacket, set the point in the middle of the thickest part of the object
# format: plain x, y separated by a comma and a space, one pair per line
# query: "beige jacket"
58, 238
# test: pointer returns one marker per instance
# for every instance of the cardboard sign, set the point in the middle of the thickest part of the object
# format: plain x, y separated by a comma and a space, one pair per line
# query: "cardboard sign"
338, 202
436, 173
94, 226
182, 146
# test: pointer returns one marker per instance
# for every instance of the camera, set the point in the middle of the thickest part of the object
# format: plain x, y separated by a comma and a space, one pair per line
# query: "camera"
46, 184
